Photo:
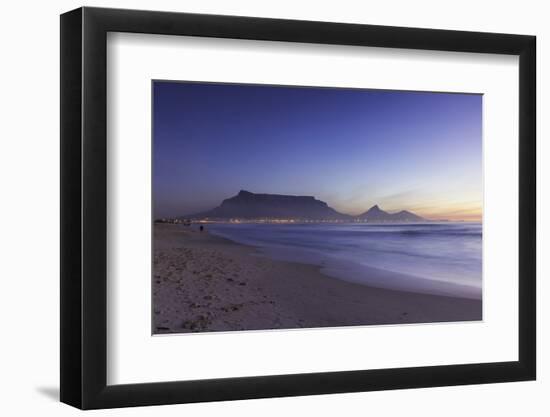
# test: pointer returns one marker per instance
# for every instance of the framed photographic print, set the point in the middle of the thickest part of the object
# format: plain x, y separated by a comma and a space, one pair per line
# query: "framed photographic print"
257, 208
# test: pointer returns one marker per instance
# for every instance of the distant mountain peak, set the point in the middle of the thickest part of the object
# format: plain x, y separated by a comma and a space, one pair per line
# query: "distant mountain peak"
407, 216
376, 215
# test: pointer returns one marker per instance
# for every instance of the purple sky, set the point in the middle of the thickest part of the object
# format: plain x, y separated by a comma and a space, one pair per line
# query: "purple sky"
352, 148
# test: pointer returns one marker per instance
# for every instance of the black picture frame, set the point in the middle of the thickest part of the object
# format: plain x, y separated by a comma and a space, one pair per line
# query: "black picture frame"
84, 207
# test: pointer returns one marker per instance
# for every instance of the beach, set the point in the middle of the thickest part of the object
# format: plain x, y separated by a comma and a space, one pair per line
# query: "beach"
205, 283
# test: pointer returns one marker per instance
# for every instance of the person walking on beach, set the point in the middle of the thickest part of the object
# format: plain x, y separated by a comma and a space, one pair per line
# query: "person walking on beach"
201, 228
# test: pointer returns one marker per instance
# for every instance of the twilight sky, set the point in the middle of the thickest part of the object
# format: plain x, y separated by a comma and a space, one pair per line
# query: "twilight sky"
349, 147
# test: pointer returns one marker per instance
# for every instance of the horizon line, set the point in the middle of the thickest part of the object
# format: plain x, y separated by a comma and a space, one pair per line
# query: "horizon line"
428, 217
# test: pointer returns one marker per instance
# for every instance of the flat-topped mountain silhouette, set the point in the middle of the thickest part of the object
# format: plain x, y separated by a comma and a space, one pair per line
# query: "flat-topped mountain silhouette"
247, 205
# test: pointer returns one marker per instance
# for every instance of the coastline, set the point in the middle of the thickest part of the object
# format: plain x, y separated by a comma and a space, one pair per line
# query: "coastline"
204, 283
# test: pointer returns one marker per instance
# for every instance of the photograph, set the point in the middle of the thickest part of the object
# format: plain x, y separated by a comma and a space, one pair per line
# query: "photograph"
279, 207
256, 207
287, 207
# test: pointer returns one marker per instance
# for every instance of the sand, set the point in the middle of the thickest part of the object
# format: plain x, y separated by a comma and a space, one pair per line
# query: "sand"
204, 283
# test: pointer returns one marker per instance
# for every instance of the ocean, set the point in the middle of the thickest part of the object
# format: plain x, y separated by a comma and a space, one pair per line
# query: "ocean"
434, 258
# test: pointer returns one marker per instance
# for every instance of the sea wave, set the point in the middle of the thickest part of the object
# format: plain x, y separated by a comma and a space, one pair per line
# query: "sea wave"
442, 258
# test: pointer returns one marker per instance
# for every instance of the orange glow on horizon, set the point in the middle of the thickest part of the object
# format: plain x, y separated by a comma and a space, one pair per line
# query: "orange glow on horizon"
454, 212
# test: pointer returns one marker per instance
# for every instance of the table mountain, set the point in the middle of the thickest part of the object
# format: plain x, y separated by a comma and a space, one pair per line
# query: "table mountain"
247, 205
